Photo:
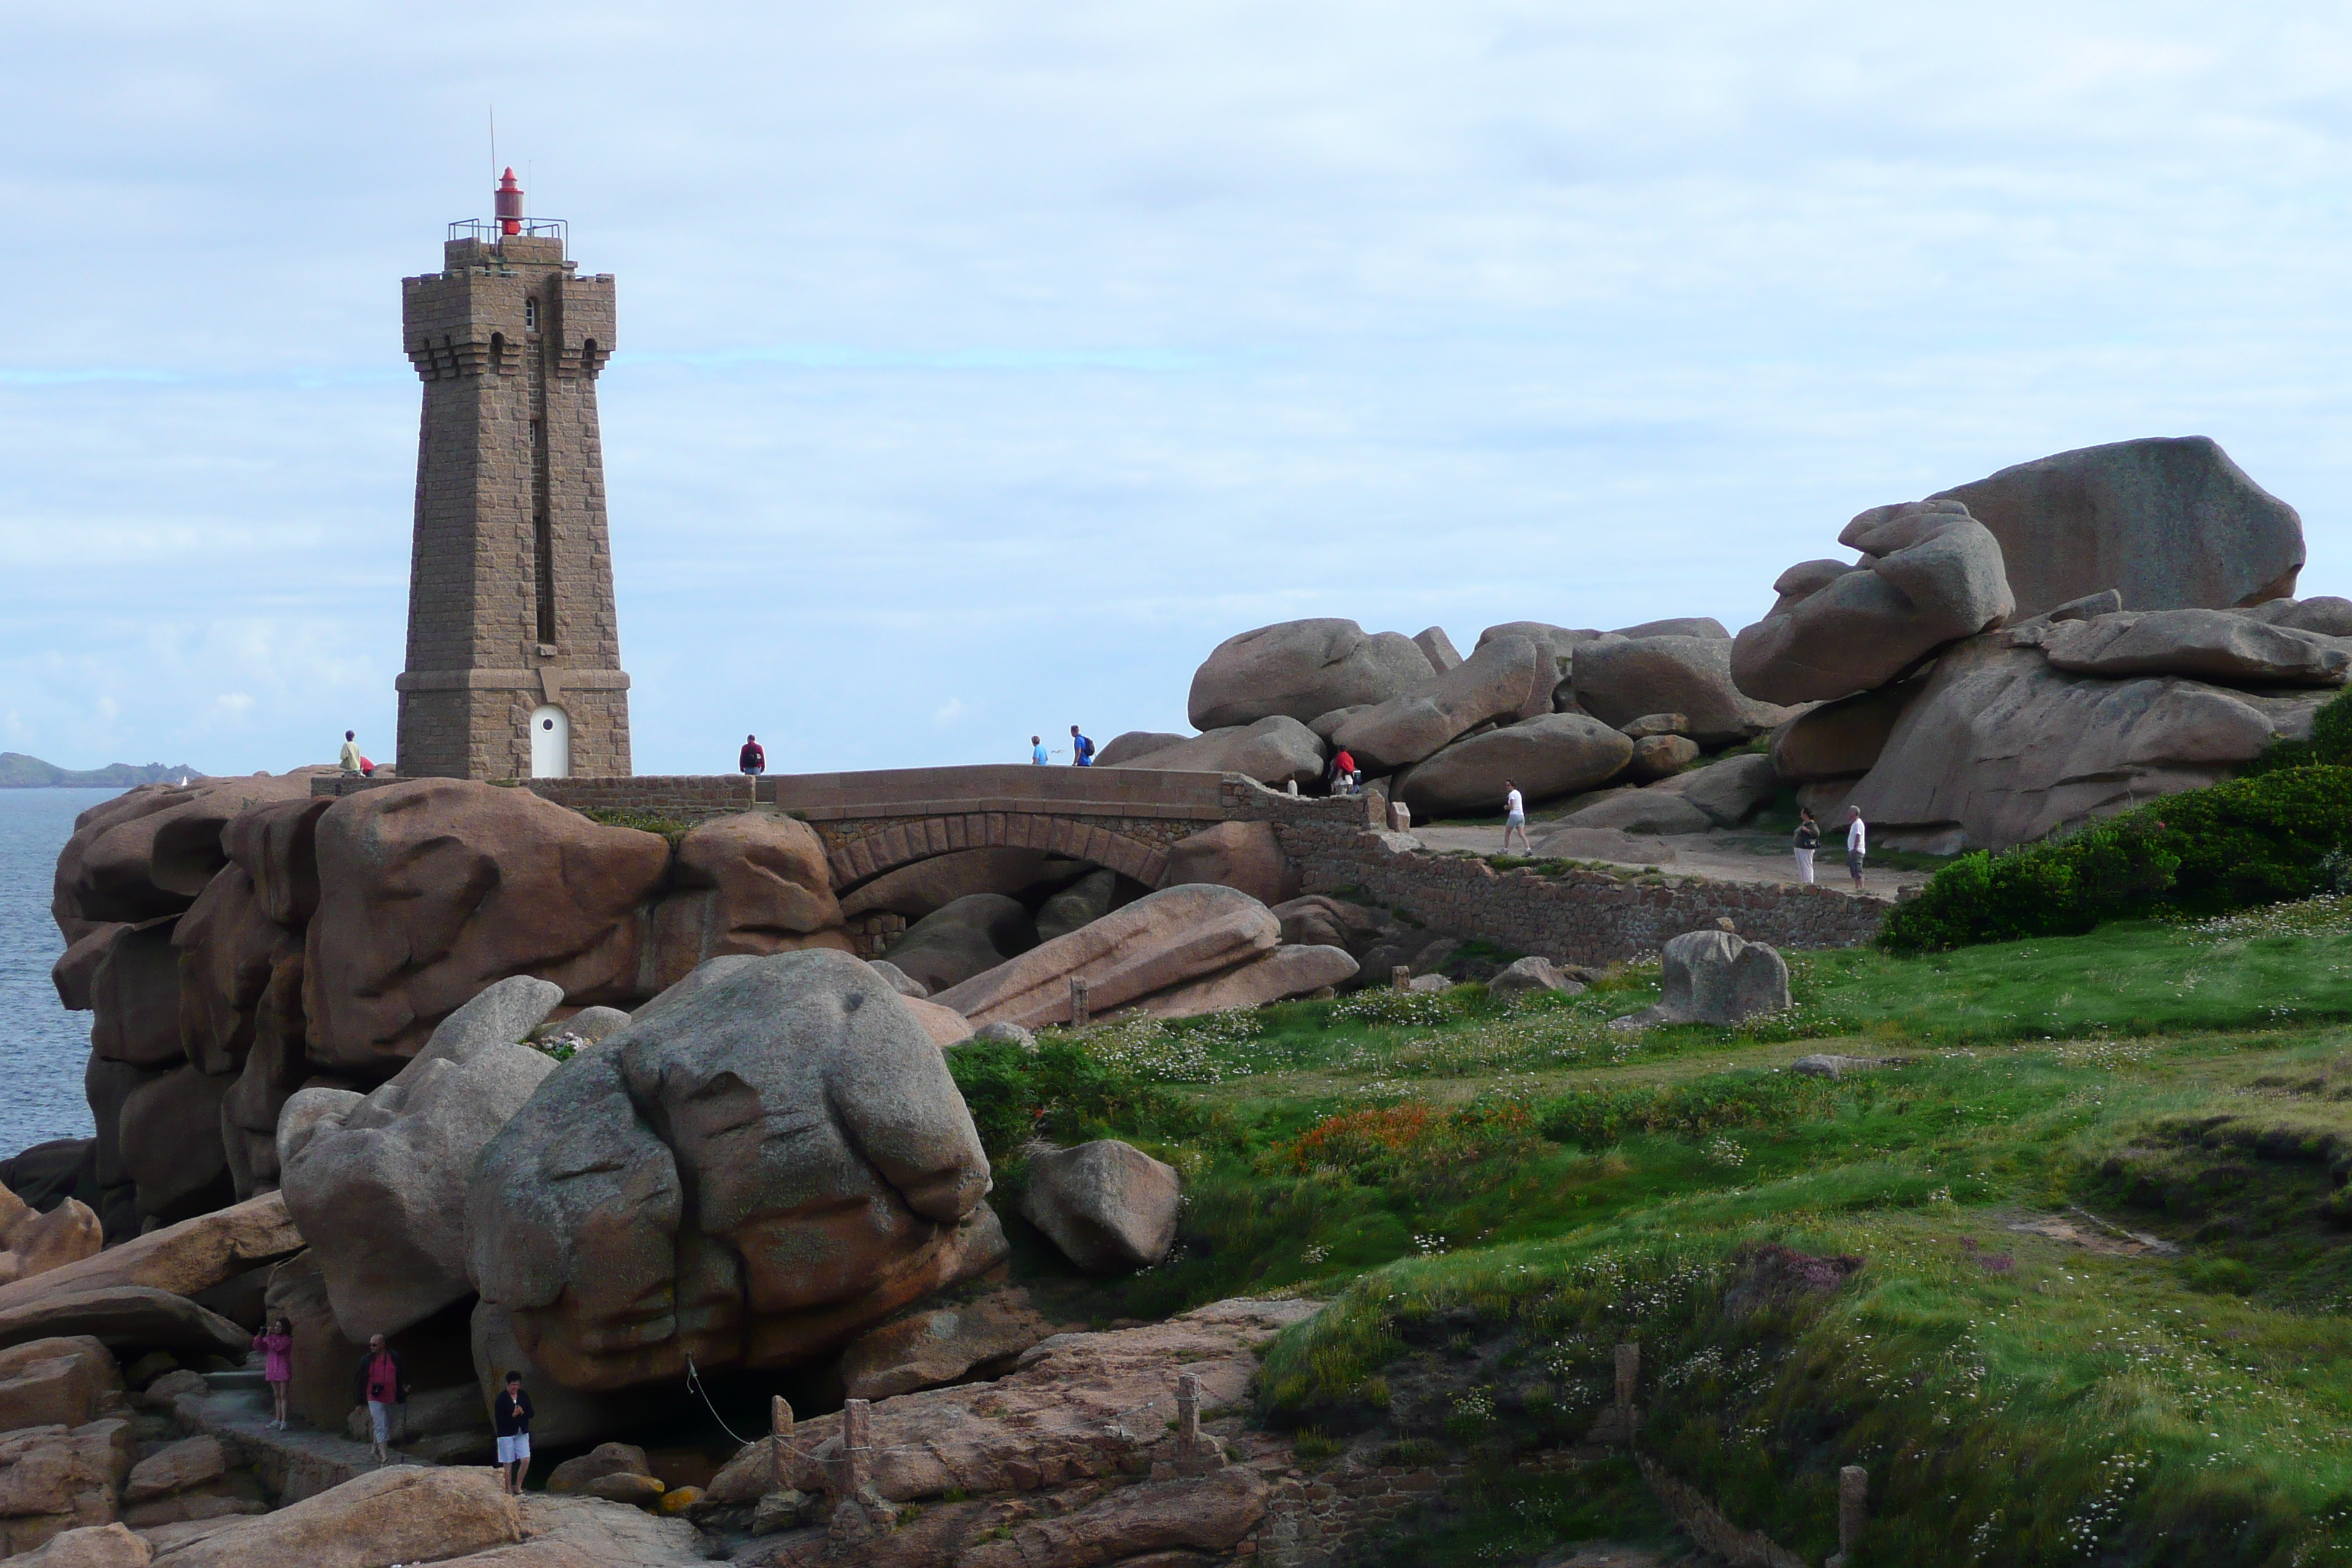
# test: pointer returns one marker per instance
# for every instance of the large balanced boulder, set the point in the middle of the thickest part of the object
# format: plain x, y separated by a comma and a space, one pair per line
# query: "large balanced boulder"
770, 1158
1106, 1204
1165, 939
1929, 574
1242, 855
1276, 749
752, 883
379, 1186
1620, 680
2169, 521
1135, 744
183, 1259
1556, 754
2001, 748
432, 889
968, 936
1502, 679
1301, 668
33, 1243
2208, 645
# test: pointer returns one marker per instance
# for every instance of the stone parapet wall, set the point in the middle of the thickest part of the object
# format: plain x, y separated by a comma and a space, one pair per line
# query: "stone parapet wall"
1590, 917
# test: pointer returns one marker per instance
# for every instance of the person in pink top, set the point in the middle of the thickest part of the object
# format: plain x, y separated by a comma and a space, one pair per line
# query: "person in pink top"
276, 1344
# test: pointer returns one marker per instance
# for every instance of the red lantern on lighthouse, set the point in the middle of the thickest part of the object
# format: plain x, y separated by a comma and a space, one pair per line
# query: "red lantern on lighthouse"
509, 204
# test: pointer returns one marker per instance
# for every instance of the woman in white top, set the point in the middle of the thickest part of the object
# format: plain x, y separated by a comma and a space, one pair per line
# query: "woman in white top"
1515, 818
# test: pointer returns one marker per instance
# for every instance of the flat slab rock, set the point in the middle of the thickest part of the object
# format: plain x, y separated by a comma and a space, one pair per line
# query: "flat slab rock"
1076, 1405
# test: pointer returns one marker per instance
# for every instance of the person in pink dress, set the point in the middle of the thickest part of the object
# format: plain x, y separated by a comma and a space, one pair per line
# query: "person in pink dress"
276, 1344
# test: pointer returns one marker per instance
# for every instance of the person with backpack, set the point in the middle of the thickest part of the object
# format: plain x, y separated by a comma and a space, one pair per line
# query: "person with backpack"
754, 758
380, 1384
1808, 839
1082, 750
511, 1413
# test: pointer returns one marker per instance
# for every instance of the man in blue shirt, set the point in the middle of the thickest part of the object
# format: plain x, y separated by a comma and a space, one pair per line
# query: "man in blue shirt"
1082, 750
1037, 749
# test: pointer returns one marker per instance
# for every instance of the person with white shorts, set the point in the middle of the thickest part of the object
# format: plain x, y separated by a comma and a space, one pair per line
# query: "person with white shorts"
1515, 818
511, 1413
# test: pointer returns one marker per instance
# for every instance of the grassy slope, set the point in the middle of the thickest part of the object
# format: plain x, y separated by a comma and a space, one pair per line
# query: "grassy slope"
1512, 1192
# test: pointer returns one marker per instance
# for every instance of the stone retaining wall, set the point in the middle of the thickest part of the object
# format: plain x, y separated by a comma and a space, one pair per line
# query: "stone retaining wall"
1590, 917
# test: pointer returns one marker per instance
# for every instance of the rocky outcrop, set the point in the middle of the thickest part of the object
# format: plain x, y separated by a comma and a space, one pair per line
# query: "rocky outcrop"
407, 1513
1277, 749
1527, 976
970, 936
1501, 680
941, 1344
1840, 740
1716, 977
183, 1259
2172, 522
1135, 744
1659, 757
752, 883
1655, 809
1287, 970
1438, 648
1546, 757
150, 851
379, 1185
32, 1243
54, 1479
2206, 645
1619, 680
931, 885
1301, 668
769, 1159
122, 1317
1068, 1408
91, 1546
432, 889
1999, 748
1109, 1205
1244, 856
1730, 791
59, 1382
1929, 574
1166, 939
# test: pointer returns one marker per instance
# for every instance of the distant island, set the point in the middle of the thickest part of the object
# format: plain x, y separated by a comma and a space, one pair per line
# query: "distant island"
18, 771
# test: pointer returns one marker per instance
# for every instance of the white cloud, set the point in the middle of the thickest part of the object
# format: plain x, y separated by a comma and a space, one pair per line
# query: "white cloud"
1041, 348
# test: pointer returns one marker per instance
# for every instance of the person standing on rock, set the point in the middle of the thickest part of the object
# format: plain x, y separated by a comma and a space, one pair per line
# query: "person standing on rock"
380, 1385
1515, 818
1037, 749
351, 758
512, 1413
1808, 838
754, 758
276, 1344
1082, 750
1857, 844
1343, 773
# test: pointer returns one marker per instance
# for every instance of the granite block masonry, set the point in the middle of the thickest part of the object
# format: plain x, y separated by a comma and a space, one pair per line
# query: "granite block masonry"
513, 667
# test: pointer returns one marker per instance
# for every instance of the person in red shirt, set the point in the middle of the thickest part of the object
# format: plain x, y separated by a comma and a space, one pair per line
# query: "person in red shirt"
381, 1384
754, 758
1344, 777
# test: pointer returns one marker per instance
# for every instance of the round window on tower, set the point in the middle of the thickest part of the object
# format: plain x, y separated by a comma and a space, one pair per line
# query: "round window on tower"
547, 723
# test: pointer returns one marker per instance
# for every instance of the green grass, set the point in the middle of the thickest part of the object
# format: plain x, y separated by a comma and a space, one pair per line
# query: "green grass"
1494, 1195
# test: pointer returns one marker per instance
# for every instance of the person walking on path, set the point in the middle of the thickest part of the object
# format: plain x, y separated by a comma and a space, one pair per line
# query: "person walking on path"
380, 1385
351, 758
1037, 749
1082, 750
512, 1413
1857, 844
754, 758
1515, 818
1808, 838
276, 1343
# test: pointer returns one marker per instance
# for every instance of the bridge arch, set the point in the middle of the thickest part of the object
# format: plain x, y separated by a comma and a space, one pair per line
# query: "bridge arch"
862, 858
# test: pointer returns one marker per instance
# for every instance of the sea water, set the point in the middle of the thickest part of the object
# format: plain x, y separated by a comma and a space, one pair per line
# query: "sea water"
42, 1045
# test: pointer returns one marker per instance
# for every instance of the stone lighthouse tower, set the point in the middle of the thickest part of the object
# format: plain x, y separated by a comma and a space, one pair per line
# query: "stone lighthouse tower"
514, 654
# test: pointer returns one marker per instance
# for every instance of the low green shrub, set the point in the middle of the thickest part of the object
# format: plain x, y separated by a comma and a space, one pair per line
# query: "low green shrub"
2249, 841
1597, 1117
1059, 1091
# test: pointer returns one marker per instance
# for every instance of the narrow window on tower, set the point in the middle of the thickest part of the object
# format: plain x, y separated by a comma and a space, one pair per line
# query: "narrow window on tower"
544, 547
530, 314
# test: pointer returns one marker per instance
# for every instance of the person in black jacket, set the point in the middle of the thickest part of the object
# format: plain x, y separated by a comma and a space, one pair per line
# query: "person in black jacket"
510, 1412
380, 1384
1808, 838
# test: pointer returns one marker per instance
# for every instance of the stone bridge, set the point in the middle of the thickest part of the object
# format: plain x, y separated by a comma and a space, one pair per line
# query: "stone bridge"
870, 823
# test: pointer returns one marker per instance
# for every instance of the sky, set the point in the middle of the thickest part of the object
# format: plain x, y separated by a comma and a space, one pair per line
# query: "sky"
982, 367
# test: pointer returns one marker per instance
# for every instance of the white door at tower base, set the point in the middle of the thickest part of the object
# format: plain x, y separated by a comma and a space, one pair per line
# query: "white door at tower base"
550, 743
